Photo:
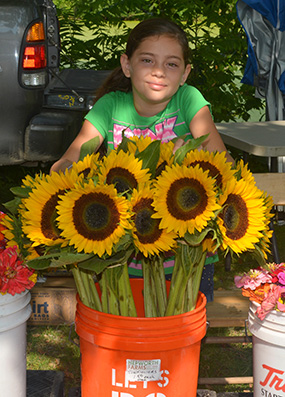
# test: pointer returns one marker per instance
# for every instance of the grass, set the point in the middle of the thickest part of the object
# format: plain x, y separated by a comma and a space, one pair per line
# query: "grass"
54, 348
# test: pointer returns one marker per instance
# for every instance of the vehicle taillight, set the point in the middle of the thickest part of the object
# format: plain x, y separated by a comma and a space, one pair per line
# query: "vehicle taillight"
34, 57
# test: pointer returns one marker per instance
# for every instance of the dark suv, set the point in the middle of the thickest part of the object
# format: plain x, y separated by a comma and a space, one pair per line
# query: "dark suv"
41, 109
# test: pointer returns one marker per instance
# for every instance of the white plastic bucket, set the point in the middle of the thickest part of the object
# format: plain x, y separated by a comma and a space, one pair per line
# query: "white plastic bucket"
268, 338
14, 313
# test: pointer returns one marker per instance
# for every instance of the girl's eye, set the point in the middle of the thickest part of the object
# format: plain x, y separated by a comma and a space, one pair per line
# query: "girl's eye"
172, 65
146, 60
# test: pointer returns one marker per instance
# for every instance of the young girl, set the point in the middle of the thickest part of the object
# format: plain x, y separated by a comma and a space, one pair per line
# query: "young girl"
148, 96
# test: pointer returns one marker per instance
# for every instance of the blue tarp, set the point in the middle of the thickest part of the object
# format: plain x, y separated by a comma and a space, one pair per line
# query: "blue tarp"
264, 24
272, 10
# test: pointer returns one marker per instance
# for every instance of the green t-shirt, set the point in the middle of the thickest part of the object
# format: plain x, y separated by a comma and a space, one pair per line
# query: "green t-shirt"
115, 113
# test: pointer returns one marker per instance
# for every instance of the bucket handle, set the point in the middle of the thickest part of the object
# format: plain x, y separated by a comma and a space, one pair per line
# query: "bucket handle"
247, 337
71, 328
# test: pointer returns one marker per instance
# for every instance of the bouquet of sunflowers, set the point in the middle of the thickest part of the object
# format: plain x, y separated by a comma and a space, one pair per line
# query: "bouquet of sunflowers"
139, 200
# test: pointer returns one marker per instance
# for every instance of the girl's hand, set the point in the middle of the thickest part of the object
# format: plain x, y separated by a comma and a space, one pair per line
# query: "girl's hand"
61, 165
178, 144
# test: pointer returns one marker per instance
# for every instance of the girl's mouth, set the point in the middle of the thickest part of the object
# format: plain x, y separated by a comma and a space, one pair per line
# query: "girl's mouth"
156, 86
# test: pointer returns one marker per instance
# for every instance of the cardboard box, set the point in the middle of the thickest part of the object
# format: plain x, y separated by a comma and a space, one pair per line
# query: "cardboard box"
53, 302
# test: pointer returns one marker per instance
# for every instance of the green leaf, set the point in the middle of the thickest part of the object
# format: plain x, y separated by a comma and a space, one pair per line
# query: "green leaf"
150, 156
39, 263
58, 259
99, 264
13, 205
190, 256
124, 243
196, 238
22, 192
187, 147
124, 144
89, 147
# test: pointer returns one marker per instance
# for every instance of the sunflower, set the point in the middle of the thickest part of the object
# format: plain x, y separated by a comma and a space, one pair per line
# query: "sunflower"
166, 156
185, 199
243, 172
139, 143
39, 213
149, 238
93, 218
88, 167
166, 150
9, 230
122, 170
30, 181
216, 163
209, 244
242, 220
264, 242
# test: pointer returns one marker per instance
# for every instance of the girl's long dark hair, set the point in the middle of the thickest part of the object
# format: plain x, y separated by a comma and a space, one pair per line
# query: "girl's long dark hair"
117, 81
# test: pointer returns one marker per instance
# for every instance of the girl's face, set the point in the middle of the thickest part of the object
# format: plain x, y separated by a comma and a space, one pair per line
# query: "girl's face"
156, 69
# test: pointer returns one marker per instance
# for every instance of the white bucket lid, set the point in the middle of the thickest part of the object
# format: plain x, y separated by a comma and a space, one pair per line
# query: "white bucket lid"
271, 329
14, 310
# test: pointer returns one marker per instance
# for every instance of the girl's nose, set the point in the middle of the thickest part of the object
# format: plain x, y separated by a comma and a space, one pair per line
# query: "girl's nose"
158, 70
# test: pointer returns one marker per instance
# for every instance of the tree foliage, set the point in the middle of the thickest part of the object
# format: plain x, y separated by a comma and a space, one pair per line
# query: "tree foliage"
94, 34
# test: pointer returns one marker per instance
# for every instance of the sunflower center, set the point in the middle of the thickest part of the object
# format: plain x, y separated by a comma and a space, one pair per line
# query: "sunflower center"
213, 170
123, 179
235, 217
186, 199
95, 216
49, 214
147, 228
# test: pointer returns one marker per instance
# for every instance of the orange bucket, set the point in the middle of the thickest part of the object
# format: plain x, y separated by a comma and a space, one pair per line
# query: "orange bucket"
138, 356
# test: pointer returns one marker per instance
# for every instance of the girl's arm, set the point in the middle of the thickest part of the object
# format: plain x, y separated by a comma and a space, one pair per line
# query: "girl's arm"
203, 124
87, 132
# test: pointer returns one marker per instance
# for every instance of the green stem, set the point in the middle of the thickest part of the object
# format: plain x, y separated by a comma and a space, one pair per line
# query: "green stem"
126, 299
84, 277
196, 279
112, 275
149, 299
76, 272
193, 284
114, 306
94, 293
176, 294
86, 288
160, 285
104, 296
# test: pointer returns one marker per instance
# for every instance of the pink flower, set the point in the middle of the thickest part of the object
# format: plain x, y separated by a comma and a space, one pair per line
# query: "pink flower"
269, 303
253, 279
281, 300
15, 277
281, 277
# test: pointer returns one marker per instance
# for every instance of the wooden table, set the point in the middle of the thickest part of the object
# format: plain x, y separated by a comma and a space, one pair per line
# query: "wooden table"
228, 309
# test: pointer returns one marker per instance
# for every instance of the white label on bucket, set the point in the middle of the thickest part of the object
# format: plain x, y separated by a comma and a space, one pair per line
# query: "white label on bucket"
143, 370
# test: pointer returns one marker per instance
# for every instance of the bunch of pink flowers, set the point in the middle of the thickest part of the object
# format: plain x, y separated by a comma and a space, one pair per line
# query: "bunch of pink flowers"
15, 276
266, 286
